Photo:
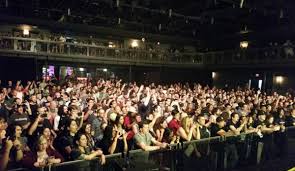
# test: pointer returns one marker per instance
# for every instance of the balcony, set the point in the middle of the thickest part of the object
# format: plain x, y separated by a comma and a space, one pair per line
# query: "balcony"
252, 57
86, 53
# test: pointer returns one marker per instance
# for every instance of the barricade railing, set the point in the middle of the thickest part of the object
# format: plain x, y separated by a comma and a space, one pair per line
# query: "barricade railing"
213, 153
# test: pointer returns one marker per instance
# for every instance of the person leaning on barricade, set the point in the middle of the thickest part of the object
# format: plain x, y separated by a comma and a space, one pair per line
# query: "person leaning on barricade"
42, 156
144, 139
81, 151
266, 129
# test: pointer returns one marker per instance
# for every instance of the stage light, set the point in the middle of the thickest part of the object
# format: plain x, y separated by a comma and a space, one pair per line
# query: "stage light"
213, 75
111, 45
279, 79
244, 44
105, 70
81, 69
26, 32
134, 44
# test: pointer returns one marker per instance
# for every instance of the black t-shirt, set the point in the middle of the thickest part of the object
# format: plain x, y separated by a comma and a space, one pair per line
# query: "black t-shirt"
64, 141
214, 129
4, 113
204, 132
232, 140
144, 110
279, 121
203, 147
107, 141
230, 123
258, 122
106, 144
76, 154
64, 119
290, 120
217, 146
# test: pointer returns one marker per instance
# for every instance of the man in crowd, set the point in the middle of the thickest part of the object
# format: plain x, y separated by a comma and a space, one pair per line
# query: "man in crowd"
144, 139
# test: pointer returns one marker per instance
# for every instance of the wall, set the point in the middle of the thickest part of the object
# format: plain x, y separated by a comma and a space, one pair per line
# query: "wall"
17, 68
240, 77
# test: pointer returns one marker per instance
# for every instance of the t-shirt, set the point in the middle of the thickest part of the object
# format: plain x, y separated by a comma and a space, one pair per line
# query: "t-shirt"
258, 122
232, 140
215, 129
230, 123
204, 132
290, 120
62, 142
217, 146
174, 125
4, 113
144, 110
76, 154
106, 144
143, 138
204, 147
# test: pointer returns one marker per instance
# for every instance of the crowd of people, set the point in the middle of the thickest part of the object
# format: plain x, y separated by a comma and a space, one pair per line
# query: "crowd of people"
50, 122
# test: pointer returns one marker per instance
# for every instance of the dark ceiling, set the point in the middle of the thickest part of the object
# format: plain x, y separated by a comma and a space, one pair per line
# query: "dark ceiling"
259, 21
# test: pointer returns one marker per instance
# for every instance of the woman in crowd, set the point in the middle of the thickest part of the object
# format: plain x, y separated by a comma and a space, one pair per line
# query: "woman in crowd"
65, 142
83, 152
87, 131
159, 128
187, 129
15, 132
42, 156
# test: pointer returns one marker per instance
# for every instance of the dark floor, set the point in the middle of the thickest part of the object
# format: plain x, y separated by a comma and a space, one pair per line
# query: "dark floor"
277, 164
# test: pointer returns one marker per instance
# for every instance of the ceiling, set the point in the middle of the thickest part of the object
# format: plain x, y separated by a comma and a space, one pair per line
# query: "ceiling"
206, 20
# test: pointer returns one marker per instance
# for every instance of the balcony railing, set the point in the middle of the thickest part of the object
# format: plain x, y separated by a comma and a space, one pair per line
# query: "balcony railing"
94, 52
258, 56
279, 55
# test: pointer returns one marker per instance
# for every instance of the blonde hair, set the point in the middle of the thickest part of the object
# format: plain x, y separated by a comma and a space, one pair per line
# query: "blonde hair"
40, 140
184, 123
